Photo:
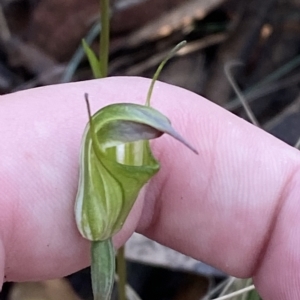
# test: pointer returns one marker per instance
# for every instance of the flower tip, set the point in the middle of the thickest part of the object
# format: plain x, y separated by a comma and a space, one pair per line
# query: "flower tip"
194, 150
190, 147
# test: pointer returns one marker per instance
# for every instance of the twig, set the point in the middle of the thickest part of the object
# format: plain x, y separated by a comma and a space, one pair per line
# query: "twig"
266, 83
220, 286
238, 46
245, 104
264, 90
239, 292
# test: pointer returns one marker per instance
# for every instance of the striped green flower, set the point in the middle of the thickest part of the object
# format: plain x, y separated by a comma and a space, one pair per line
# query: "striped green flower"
116, 161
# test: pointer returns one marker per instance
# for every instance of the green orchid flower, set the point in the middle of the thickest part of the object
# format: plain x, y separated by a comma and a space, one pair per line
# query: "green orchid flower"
112, 171
116, 162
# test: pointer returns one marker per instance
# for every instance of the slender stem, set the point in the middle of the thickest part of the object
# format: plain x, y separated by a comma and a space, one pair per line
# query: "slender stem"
102, 269
160, 67
121, 270
104, 37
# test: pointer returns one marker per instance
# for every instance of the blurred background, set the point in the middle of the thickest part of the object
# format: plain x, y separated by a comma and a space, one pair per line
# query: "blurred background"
258, 41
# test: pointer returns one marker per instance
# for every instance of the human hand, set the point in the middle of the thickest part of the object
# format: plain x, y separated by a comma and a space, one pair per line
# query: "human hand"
234, 206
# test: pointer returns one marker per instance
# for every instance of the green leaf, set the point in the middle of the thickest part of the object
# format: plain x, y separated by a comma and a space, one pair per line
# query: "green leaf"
116, 161
102, 269
93, 60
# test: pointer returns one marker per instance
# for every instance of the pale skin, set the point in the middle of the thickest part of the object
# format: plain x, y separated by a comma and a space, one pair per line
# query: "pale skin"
234, 206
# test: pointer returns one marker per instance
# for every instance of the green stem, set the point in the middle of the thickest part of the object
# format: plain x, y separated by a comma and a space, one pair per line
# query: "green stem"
160, 67
104, 37
121, 269
102, 269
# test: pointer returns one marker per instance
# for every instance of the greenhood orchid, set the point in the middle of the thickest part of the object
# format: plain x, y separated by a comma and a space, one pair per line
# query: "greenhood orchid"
116, 162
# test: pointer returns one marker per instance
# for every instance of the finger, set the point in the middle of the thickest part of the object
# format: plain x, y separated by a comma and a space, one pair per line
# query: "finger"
220, 206
40, 136
235, 205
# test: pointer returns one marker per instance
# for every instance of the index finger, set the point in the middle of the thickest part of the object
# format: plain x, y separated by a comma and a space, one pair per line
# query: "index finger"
231, 206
